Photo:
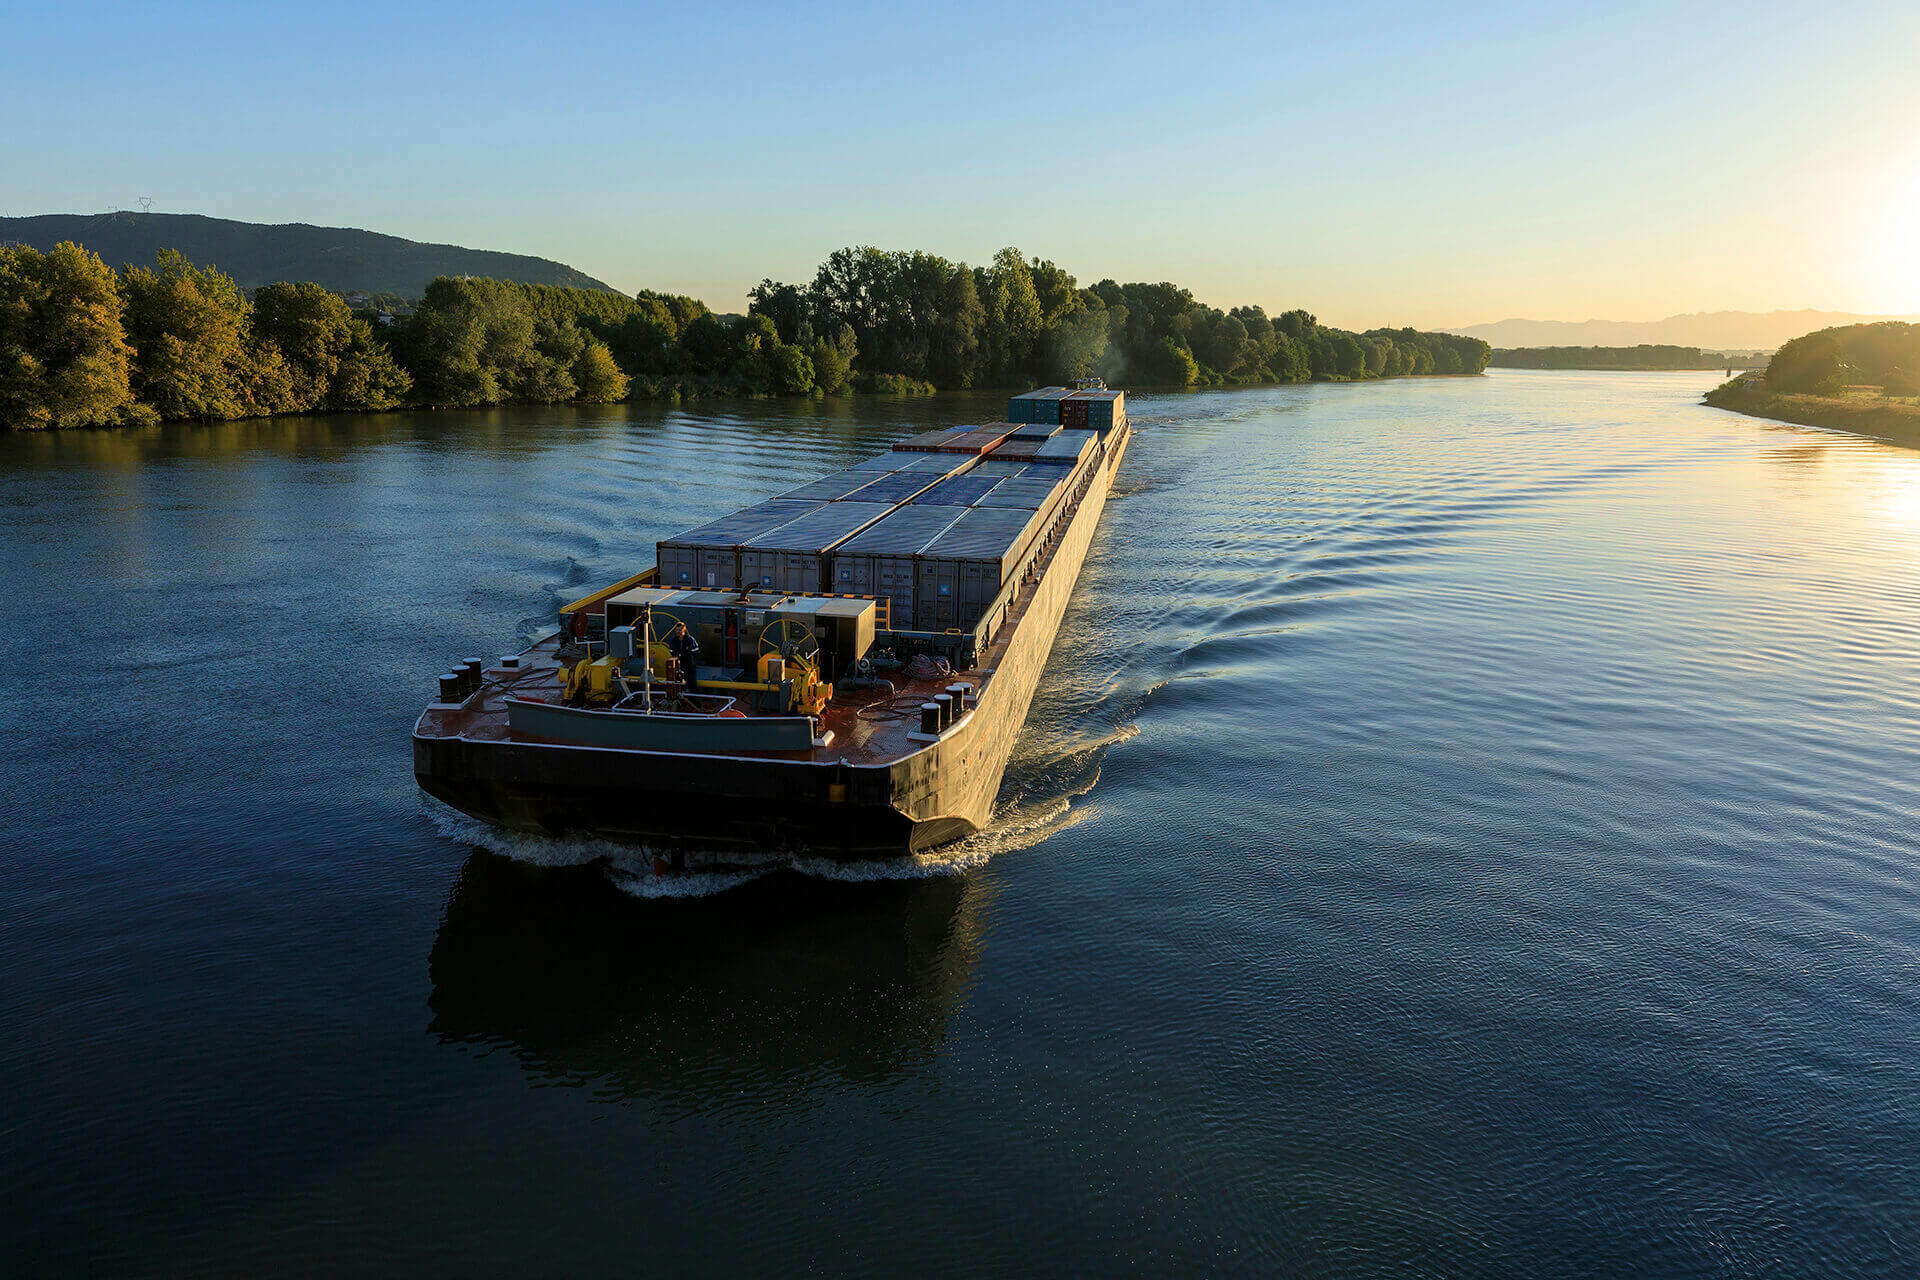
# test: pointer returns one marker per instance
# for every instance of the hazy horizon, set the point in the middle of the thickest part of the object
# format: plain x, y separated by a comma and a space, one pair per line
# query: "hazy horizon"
1378, 165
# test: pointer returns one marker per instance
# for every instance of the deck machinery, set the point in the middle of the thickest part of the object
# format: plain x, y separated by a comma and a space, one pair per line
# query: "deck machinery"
865, 647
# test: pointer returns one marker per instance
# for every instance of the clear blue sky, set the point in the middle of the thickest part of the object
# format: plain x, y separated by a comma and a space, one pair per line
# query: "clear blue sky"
1436, 163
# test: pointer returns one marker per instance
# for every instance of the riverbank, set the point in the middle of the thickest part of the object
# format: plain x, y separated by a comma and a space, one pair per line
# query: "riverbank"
1897, 421
678, 392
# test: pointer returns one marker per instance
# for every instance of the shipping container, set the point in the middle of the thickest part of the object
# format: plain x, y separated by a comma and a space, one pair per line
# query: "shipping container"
709, 556
1016, 450
939, 464
1069, 448
894, 487
792, 557
830, 488
963, 569
881, 560
1040, 405
958, 491
1034, 431
976, 440
1098, 411
927, 441
1031, 492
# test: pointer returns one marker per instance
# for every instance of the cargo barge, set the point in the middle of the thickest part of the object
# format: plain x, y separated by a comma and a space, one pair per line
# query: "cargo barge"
840, 670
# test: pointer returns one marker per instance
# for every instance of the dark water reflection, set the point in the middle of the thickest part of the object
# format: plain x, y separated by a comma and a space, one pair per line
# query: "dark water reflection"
784, 986
1468, 828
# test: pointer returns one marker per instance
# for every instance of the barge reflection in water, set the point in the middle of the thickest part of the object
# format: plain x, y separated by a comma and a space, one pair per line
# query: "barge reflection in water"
780, 984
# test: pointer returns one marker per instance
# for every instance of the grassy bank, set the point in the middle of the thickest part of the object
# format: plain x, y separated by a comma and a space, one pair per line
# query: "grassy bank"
1866, 415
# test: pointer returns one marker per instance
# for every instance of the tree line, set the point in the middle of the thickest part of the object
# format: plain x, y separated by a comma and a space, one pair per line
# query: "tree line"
81, 344
1020, 321
1885, 355
1646, 355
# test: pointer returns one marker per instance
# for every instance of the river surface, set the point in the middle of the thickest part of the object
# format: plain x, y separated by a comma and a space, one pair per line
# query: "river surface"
1467, 828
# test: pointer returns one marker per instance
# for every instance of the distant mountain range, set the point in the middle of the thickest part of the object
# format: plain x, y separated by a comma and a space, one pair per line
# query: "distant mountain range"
1710, 330
253, 253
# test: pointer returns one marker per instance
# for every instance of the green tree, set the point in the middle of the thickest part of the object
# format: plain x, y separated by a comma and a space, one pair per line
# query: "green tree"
188, 327
312, 330
470, 342
64, 358
1075, 342
790, 369
546, 376
367, 376
1011, 334
1224, 345
597, 377
833, 361
787, 306
268, 382
705, 345
1171, 364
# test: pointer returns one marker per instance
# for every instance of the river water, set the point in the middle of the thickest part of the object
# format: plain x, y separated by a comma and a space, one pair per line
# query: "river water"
1467, 828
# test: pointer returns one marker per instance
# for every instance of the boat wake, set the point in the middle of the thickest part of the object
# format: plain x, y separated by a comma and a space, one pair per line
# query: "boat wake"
640, 870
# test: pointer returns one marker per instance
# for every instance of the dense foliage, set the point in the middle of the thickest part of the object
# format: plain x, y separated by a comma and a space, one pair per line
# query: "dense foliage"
64, 358
1645, 356
80, 345
1020, 321
1886, 355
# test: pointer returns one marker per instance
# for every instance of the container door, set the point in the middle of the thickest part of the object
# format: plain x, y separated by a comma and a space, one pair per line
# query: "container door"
893, 577
936, 602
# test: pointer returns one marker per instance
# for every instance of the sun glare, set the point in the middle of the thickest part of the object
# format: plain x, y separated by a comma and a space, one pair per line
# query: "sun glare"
1890, 251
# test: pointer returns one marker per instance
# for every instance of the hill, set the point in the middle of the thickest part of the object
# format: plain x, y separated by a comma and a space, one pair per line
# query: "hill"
338, 258
1713, 330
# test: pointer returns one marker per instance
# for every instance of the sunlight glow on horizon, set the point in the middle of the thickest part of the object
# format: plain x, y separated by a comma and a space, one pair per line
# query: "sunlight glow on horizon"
1889, 263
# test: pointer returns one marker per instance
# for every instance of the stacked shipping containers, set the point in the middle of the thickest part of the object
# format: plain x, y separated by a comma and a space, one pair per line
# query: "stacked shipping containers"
830, 488
1034, 493
710, 555
894, 487
1041, 405
792, 557
1099, 411
882, 560
962, 570
958, 491
977, 441
931, 525
941, 464
929, 440
1069, 447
